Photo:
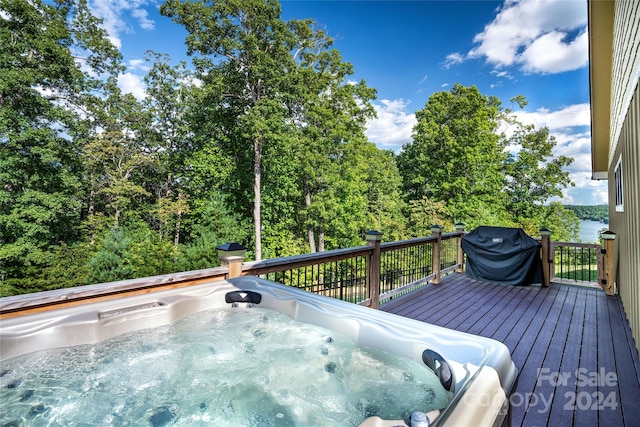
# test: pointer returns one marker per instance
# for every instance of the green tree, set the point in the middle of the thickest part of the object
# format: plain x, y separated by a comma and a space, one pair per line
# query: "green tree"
112, 261
591, 212
385, 206
332, 128
50, 53
264, 82
563, 223
423, 213
533, 174
169, 98
117, 155
338, 209
458, 158
456, 154
62, 266
210, 224
148, 253
246, 49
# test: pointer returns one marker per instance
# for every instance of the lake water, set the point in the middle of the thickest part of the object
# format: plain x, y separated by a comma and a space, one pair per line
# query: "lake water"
589, 230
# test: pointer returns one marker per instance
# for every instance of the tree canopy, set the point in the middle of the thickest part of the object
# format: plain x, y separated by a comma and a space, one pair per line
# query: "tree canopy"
259, 139
275, 86
461, 168
49, 54
456, 155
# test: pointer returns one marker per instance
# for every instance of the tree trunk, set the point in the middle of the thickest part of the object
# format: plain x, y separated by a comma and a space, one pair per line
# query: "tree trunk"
321, 241
176, 231
312, 240
116, 216
312, 237
90, 215
176, 236
257, 151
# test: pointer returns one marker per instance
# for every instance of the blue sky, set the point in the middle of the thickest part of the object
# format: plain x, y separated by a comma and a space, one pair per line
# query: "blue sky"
408, 50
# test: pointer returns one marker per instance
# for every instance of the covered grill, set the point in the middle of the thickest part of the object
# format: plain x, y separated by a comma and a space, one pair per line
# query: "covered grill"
502, 254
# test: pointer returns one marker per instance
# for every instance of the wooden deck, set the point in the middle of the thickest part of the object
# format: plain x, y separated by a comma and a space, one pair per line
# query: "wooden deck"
576, 359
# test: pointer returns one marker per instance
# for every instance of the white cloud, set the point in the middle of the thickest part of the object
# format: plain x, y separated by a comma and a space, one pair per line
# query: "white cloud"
550, 54
138, 64
502, 73
143, 19
114, 16
133, 84
393, 126
567, 117
453, 59
536, 35
567, 125
586, 191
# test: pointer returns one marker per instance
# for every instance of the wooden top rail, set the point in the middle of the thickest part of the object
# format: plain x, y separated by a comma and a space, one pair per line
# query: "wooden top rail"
389, 246
577, 245
39, 301
257, 268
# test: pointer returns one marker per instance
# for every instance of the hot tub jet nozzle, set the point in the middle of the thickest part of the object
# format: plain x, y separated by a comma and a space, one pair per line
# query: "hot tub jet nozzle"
419, 419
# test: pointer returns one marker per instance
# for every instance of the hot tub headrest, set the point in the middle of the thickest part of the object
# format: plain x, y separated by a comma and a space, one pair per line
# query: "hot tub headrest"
440, 366
243, 296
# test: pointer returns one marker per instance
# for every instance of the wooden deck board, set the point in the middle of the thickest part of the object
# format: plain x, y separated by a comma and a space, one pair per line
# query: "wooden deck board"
624, 356
588, 364
537, 337
502, 326
553, 335
607, 363
481, 306
524, 312
572, 346
562, 415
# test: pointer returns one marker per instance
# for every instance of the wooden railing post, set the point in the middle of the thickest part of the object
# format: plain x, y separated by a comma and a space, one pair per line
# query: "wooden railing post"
545, 233
608, 278
231, 256
374, 238
460, 228
436, 230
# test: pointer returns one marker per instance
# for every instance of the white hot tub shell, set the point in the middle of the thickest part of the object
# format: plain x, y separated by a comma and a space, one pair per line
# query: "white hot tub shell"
479, 371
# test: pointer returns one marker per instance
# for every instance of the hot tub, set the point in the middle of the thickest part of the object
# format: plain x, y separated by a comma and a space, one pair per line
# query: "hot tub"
477, 372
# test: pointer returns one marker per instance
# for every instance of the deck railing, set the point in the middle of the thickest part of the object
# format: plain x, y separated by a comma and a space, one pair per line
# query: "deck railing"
580, 263
408, 265
366, 275
363, 274
575, 262
340, 273
369, 274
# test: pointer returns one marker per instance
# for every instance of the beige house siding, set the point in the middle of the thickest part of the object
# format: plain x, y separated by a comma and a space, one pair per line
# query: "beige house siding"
625, 67
626, 223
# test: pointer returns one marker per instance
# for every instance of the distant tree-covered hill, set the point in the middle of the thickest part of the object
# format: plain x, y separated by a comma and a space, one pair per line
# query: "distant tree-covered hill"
591, 212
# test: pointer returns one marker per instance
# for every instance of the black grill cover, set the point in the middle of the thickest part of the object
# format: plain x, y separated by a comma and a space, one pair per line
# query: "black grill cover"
504, 255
